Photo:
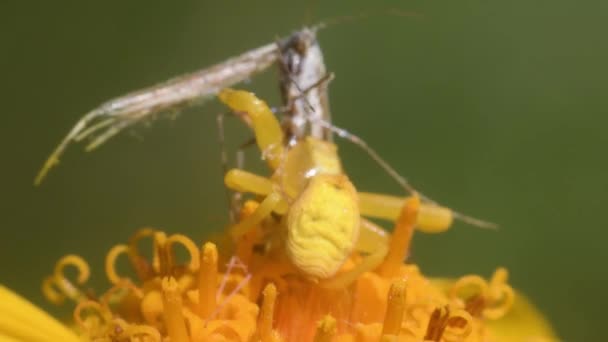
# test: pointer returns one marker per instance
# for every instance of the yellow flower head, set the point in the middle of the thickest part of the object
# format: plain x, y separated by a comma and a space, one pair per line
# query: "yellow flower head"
254, 296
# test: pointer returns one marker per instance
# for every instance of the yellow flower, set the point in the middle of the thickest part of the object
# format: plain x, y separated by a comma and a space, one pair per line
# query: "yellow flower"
253, 295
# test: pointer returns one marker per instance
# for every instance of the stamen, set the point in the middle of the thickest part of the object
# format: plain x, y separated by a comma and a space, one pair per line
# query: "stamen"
207, 280
326, 329
110, 264
64, 284
172, 307
185, 282
152, 308
124, 285
144, 332
93, 307
402, 236
265, 322
475, 305
73, 260
436, 325
117, 330
162, 262
140, 264
395, 308
500, 276
50, 292
501, 295
459, 326
190, 247
416, 315
467, 287
500, 305
492, 301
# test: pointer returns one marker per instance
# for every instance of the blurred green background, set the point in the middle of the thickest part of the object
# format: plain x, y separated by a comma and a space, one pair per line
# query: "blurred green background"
496, 108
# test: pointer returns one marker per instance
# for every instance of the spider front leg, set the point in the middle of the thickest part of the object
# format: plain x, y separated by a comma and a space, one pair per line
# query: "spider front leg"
256, 113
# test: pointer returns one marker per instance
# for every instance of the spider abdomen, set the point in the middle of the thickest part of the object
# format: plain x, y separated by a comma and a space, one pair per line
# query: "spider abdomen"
323, 226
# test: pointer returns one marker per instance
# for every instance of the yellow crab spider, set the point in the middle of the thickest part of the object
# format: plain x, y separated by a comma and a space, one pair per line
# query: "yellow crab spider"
321, 223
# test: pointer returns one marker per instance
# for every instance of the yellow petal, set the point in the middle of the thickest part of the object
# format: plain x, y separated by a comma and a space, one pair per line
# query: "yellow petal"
21, 320
524, 322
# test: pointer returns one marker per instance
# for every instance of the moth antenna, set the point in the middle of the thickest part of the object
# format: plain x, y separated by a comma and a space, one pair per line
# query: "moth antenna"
331, 21
475, 221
